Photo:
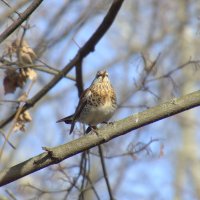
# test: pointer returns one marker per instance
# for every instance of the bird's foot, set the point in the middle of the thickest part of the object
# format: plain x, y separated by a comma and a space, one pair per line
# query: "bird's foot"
93, 129
108, 123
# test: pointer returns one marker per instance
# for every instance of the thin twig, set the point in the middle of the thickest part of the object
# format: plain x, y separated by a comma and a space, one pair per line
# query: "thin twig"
4, 135
44, 68
79, 175
168, 74
105, 174
93, 188
11, 129
82, 53
19, 110
83, 169
133, 122
14, 9
11, 195
20, 20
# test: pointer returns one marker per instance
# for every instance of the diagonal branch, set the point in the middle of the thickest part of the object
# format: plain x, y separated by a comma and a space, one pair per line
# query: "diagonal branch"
83, 52
20, 20
105, 134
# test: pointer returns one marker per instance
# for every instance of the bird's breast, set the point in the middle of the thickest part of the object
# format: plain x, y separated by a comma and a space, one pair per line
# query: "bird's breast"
99, 108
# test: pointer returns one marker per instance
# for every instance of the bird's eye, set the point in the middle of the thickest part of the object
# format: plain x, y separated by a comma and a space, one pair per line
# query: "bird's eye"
98, 74
101, 74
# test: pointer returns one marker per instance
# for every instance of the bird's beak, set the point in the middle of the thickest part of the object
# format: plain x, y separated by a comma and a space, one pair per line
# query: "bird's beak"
104, 74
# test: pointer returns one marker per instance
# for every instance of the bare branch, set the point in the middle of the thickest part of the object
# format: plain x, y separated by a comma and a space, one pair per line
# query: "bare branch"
83, 52
20, 20
121, 127
79, 78
105, 174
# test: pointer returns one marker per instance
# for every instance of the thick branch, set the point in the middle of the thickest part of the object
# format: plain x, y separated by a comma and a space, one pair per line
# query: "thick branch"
83, 52
57, 154
79, 78
20, 20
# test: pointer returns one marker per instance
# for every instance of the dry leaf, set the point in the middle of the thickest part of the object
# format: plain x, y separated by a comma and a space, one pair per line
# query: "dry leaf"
26, 56
21, 79
19, 126
26, 53
9, 82
9, 51
31, 74
23, 97
28, 73
23, 118
12, 80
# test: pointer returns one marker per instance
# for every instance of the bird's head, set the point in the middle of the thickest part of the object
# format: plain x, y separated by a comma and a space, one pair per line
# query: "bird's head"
102, 75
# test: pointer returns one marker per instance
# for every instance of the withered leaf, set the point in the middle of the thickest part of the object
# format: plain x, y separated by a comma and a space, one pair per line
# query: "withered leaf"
23, 118
31, 74
19, 126
12, 80
26, 53
26, 56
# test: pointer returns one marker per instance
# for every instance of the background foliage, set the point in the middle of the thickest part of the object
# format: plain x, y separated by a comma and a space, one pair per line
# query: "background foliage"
151, 53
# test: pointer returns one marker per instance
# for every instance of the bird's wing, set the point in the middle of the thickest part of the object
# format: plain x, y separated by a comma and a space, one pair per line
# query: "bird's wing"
67, 120
81, 105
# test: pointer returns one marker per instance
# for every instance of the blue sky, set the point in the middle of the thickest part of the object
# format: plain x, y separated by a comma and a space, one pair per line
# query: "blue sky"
148, 175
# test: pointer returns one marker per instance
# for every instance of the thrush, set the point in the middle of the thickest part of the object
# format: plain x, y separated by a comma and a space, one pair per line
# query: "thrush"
97, 103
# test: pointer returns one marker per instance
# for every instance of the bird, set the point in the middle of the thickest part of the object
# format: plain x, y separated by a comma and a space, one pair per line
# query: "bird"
97, 103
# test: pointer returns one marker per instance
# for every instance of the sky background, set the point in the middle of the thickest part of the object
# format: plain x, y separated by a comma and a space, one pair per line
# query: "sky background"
146, 28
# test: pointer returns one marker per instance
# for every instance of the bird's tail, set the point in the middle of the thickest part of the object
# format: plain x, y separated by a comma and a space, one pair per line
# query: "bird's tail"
68, 120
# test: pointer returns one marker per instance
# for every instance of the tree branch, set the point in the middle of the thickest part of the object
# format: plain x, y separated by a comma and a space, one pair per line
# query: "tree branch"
20, 20
105, 134
79, 79
105, 174
83, 52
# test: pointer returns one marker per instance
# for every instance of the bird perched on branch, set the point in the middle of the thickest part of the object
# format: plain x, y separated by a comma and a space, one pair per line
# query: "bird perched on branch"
97, 104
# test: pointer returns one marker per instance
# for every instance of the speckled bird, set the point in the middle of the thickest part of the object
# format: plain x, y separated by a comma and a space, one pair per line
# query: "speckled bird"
97, 104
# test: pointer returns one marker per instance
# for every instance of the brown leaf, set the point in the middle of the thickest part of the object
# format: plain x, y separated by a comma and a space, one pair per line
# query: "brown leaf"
28, 50
23, 74
19, 126
10, 81
23, 118
28, 73
13, 78
25, 58
31, 74
26, 117
26, 53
